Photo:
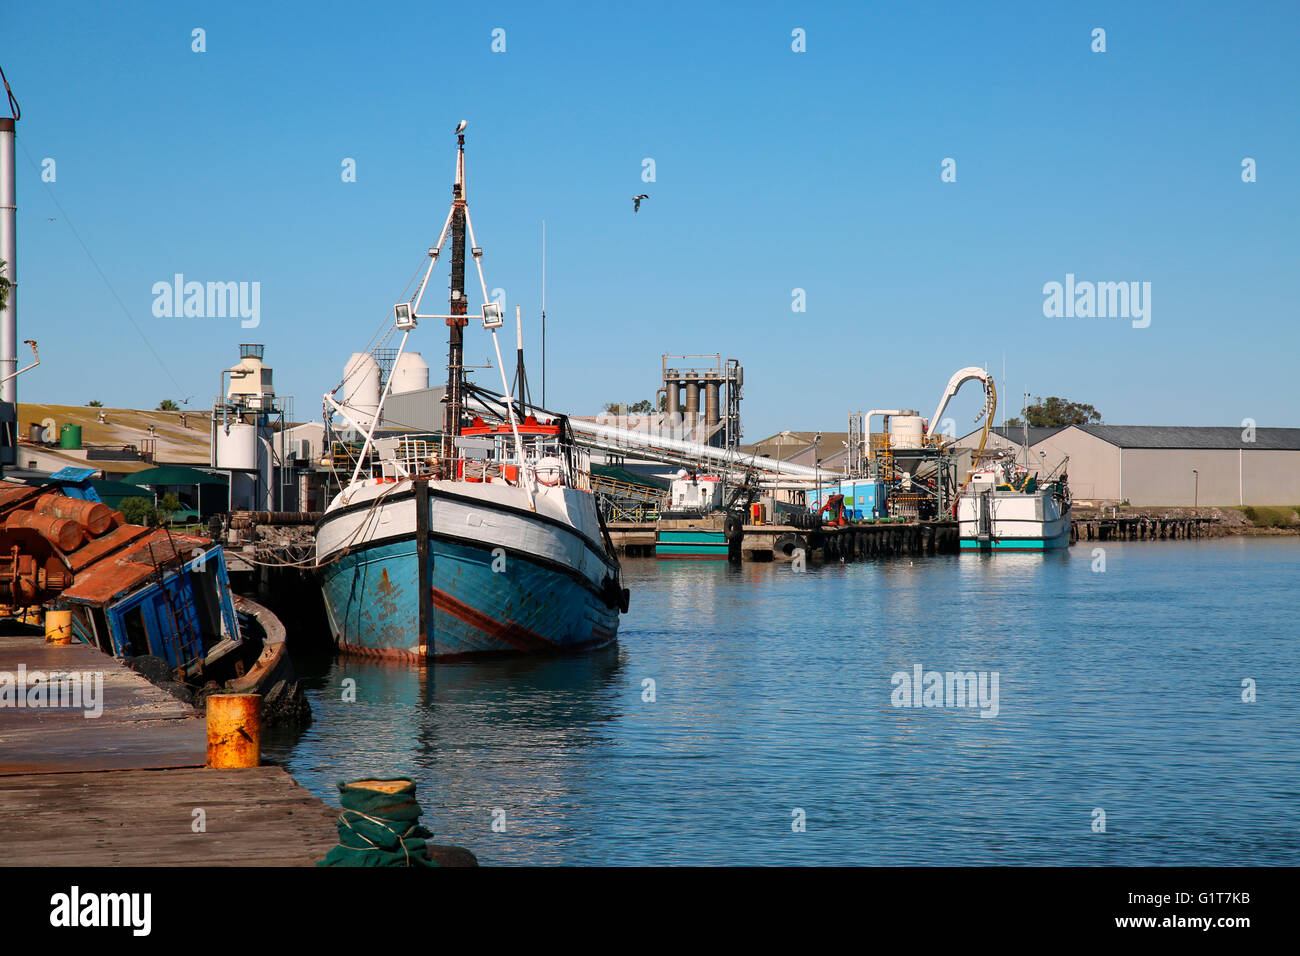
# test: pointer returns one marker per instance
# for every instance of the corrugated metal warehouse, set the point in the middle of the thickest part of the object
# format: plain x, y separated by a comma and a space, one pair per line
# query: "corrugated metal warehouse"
1170, 465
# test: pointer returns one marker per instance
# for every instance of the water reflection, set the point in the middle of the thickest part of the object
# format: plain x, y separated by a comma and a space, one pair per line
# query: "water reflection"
772, 691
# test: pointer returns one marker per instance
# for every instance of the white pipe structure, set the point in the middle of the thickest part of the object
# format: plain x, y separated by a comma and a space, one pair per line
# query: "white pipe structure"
886, 413
960, 378
622, 439
670, 450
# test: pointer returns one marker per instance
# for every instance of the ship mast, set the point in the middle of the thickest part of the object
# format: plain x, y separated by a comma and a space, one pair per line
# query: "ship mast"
457, 319
521, 378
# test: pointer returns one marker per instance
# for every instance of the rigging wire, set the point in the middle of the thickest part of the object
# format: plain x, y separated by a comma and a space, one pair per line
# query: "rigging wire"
366, 523
112, 291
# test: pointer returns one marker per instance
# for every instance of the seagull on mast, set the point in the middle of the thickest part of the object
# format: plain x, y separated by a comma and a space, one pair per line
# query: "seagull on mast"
461, 128
636, 202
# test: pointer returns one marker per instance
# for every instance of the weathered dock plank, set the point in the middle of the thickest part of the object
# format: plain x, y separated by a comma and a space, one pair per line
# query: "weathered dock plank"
122, 788
256, 816
142, 726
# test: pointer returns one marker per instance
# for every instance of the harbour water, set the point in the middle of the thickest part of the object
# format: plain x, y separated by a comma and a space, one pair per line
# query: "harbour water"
770, 734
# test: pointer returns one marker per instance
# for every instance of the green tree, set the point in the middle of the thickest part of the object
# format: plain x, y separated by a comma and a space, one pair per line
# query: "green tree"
167, 405
641, 407
95, 403
168, 506
1056, 412
138, 511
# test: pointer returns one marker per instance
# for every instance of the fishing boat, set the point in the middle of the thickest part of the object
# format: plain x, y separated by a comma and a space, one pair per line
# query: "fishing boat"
1005, 508
698, 522
484, 539
1008, 506
692, 526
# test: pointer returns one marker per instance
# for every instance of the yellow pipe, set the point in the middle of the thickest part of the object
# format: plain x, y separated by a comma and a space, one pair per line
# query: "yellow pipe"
234, 730
984, 435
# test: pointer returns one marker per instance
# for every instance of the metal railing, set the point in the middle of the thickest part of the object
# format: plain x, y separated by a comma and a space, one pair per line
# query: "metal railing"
635, 515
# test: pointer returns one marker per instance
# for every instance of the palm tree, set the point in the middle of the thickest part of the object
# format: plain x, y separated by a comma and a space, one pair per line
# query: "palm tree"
167, 405
95, 403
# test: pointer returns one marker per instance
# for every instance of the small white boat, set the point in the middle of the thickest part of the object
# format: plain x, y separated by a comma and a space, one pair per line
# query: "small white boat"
1006, 508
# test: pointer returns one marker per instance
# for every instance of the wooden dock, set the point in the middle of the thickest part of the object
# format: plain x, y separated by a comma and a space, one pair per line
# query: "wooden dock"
1143, 528
850, 542
770, 542
254, 817
123, 788
854, 541
636, 539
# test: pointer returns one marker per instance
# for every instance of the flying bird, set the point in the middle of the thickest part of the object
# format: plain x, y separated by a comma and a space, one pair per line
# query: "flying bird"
636, 202
461, 127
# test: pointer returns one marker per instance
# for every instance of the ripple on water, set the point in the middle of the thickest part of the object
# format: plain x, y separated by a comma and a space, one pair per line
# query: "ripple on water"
1118, 691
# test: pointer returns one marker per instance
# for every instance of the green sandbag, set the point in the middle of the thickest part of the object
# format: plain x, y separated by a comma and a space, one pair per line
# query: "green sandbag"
379, 826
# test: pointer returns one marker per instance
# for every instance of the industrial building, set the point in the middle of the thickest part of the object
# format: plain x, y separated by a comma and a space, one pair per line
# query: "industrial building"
684, 384
804, 448
1172, 466
241, 455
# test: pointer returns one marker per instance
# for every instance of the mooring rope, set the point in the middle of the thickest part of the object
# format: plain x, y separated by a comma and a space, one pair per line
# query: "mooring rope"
378, 821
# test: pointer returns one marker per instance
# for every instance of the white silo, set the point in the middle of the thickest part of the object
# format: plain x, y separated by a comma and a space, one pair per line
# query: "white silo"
361, 388
236, 446
410, 373
906, 433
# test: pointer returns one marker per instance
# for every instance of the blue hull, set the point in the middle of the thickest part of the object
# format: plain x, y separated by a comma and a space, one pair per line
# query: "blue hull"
372, 597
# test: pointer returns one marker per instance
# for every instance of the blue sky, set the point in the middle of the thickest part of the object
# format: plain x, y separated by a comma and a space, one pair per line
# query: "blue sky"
775, 171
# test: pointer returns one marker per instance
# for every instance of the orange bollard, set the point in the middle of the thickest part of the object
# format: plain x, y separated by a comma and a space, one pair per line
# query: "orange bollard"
58, 627
234, 731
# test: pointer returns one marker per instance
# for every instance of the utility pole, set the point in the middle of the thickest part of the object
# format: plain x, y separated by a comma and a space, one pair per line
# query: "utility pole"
9, 253
543, 313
